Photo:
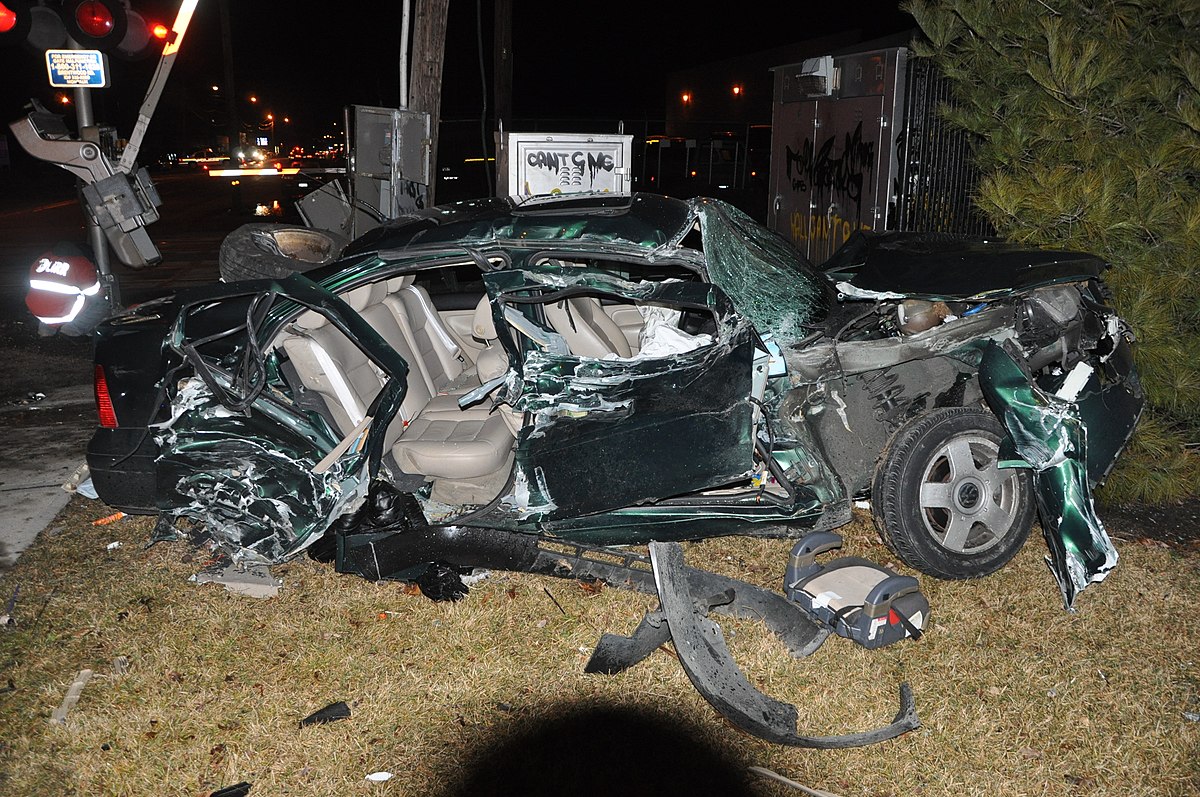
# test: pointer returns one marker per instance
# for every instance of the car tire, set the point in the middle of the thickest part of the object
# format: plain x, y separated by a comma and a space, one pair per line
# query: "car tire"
941, 503
258, 251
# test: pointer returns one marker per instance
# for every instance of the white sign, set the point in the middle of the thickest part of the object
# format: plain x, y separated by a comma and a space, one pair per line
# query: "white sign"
566, 163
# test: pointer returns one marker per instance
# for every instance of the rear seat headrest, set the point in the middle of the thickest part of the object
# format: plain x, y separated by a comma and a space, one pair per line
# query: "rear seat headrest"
359, 299
364, 296
311, 320
483, 326
396, 284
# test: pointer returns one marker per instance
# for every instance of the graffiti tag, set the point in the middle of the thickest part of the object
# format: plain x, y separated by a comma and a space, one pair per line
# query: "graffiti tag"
409, 195
570, 166
823, 228
818, 169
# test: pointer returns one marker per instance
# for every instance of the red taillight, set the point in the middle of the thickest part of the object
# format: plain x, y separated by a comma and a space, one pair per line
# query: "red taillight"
104, 405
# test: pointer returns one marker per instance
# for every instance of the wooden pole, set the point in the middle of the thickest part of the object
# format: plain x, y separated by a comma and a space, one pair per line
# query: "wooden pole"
429, 45
503, 63
233, 125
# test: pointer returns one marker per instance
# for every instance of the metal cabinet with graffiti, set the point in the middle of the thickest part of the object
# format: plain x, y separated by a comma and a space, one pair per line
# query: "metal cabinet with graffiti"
858, 145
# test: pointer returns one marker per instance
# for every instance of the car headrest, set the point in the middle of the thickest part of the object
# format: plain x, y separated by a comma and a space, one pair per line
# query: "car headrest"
364, 296
483, 326
359, 299
396, 284
311, 320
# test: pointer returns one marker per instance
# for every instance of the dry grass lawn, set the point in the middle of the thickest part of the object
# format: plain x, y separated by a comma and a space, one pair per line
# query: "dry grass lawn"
1016, 696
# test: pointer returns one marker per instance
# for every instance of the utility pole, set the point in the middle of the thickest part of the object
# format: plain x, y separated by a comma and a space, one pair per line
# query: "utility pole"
502, 63
429, 45
233, 124
502, 67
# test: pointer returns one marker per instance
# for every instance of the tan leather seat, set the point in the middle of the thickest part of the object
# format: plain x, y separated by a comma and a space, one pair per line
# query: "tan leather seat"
588, 330
439, 444
431, 435
493, 360
332, 365
442, 360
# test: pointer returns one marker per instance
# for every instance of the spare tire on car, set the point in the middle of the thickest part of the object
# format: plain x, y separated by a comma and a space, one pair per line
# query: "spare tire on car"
258, 251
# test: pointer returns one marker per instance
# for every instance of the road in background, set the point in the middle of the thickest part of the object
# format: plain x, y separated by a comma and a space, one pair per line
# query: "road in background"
197, 213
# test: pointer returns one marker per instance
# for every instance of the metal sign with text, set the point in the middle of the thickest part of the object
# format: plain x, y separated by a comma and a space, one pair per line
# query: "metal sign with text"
75, 69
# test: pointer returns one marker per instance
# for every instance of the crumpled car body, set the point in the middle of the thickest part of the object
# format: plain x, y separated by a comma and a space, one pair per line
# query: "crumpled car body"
611, 371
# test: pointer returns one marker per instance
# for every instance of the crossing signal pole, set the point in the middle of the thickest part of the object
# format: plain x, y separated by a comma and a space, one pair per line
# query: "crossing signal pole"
119, 199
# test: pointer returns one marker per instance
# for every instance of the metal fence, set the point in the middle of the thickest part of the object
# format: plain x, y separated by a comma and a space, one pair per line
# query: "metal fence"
937, 176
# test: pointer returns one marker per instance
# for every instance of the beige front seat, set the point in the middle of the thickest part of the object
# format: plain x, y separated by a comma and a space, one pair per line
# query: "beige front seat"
588, 330
430, 435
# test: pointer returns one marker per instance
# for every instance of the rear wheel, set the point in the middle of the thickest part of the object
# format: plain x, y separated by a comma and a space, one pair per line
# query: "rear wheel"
940, 500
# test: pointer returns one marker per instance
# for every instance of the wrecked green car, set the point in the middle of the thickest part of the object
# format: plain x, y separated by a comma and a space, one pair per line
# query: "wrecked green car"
535, 385
612, 370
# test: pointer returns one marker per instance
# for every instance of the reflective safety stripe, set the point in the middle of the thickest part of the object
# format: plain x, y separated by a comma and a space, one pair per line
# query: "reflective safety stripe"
68, 290
55, 287
69, 317
80, 295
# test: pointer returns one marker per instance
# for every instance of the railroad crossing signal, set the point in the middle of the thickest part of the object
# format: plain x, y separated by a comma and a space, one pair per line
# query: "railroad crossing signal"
104, 25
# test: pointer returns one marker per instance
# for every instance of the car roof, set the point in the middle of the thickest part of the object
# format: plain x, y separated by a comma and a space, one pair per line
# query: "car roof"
646, 221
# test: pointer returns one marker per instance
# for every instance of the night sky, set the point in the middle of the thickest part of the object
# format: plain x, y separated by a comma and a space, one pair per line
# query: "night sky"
603, 60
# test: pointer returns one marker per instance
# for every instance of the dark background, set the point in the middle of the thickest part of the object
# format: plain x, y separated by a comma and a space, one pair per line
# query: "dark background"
603, 60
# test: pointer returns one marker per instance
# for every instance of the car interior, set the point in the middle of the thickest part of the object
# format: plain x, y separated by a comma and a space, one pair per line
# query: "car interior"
466, 452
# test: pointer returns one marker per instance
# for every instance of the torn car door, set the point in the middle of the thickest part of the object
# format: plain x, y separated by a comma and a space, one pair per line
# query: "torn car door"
239, 454
606, 433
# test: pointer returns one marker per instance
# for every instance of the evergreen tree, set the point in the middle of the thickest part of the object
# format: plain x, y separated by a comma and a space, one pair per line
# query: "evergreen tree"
1087, 119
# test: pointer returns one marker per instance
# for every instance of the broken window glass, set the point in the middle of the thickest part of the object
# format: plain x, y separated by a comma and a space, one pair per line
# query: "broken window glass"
769, 281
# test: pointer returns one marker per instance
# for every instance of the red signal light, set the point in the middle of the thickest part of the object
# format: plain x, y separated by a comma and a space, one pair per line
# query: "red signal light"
160, 31
96, 24
94, 18
8, 18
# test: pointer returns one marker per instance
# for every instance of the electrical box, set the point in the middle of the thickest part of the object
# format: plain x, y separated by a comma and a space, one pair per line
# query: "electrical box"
388, 153
859, 143
833, 155
535, 164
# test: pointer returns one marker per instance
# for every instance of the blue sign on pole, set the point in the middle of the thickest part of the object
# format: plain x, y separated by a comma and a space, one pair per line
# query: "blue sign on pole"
75, 69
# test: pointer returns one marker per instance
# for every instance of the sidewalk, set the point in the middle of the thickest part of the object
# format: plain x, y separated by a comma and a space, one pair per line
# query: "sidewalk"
45, 442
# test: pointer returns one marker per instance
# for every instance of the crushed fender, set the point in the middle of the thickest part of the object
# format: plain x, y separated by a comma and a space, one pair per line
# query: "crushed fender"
1049, 435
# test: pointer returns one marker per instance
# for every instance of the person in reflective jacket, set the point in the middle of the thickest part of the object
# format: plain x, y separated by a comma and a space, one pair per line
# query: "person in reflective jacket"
64, 292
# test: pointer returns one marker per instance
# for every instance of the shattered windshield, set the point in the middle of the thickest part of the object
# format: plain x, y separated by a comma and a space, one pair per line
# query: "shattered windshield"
769, 281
